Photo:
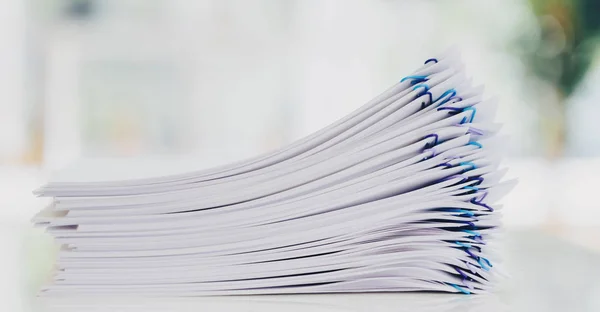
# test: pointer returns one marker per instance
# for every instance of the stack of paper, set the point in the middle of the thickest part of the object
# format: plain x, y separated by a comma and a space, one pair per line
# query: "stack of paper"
397, 196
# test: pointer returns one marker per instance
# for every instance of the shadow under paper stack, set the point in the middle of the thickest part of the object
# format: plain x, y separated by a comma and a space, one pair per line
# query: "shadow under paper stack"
397, 196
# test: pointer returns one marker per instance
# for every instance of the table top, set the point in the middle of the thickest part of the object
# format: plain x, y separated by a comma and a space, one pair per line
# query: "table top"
546, 274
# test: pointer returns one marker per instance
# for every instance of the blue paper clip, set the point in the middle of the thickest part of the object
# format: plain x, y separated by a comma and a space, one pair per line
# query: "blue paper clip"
476, 144
473, 109
450, 91
471, 254
465, 245
483, 193
467, 212
423, 105
478, 179
483, 266
421, 85
461, 212
472, 188
461, 273
431, 60
473, 129
435, 141
415, 78
456, 97
464, 291
490, 209
473, 233
468, 163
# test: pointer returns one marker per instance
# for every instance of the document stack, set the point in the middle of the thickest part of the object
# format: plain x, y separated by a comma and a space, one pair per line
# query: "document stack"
400, 195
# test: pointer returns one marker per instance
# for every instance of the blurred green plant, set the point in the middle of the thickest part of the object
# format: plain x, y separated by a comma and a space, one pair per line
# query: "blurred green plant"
561, 56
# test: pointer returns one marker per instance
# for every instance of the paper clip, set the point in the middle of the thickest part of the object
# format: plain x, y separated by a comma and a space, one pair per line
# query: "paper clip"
483, 266
470, 108
478, 179
461, 273
464, 291
435, 141
456, 97
471, 254
465, 277
431, 60
479, 203
431, 100
466, 212
476, 144
473, 233
468, 163
421, 85
469, 223
484, 193
477, 248
450, 91
472, 129
423, 105
465, 245
461, 212
415, 79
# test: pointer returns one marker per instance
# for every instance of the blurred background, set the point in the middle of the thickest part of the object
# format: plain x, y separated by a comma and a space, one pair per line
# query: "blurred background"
228, 79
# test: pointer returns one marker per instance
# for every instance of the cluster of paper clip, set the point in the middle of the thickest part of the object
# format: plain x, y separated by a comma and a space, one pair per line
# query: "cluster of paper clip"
475, 188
